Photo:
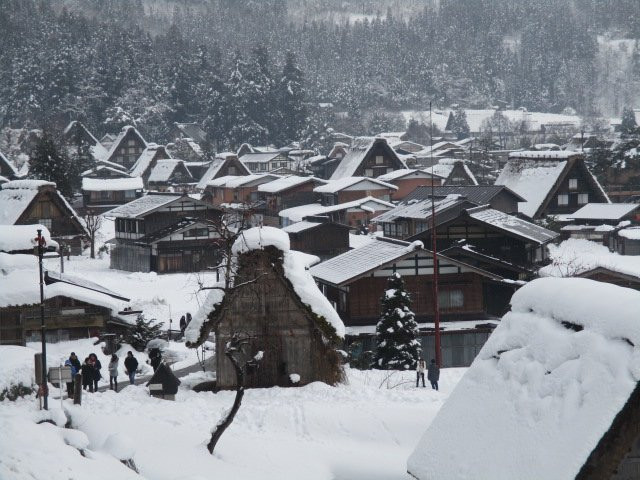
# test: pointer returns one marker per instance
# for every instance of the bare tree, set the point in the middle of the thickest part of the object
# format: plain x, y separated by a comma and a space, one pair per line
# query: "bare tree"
234, 353
93, 222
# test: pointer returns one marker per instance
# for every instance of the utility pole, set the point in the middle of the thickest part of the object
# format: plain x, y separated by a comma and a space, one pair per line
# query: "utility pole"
43, 332
436, 306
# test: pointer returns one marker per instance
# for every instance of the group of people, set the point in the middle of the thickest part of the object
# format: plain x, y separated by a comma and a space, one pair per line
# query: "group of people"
433, 373
91, 374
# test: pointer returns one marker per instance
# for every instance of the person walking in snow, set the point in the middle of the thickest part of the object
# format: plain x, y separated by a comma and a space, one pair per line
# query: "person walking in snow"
113, 372
74, 369
155, 358
87, 375
131, 364
97, 366
433, 374
183, 324
188, 318
420, 368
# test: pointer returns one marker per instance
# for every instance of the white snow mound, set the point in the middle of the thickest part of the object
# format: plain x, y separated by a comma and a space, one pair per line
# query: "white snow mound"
258, 238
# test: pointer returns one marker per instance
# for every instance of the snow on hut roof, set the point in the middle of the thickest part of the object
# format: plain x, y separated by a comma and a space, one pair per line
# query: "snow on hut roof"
285, 183
236, 181
9, 164
333, 186
405, 172
116, 143
258, 238
545, 154
143, 205
300, 226
512, 224
111, 184
531, 180
21, 237
543, 390
632, 233
144, 160
355, 263
445, 167
370, 204
354, 156
16, 196
604, 211
419, 209
259, 157
164, 169
216, 165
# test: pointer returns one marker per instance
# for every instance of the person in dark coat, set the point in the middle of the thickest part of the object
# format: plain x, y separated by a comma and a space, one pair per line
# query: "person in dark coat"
87, 374
156, 358
433, 374
131, 364
183, 324
96, 370
188, 318
420, 368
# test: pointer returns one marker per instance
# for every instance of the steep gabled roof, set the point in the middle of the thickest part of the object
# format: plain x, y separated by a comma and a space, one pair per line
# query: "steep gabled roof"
143, 163
448, 167
6, 166
536, 175
119, 139
356, 154
164, 170
217, 165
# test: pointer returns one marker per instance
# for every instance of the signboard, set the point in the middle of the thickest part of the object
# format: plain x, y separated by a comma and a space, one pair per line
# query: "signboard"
56, 372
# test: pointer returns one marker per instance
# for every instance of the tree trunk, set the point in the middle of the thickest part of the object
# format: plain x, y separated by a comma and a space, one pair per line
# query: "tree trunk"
224, 424
93, 246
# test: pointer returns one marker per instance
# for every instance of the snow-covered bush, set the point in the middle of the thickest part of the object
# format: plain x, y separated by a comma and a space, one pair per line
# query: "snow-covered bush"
14, 392
143, 332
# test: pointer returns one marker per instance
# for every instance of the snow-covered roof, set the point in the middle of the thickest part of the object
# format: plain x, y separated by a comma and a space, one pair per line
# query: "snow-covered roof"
16, 196
532, 181
142, 205
286, 183
354, 156
445, 166
236, 181
259, 157
370, 204
214, 169
116, 143
21, 237
632, 233
418, 209
164, 169
111, 184
300, 226
604, 211
9, 164
258, 238
333, 186
543, 390
355, 263
548, 154
404, 173
511, 224
145, 158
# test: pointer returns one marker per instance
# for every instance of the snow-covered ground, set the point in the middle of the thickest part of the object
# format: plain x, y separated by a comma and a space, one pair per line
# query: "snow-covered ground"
364, 429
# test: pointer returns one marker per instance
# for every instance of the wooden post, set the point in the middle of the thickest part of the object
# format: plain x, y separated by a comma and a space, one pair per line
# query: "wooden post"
77, 389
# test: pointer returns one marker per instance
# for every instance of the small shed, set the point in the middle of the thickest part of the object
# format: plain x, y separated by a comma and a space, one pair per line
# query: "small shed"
277, 305
163, 383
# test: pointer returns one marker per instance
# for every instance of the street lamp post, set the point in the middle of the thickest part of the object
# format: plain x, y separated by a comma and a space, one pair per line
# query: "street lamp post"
43, 332
436, 306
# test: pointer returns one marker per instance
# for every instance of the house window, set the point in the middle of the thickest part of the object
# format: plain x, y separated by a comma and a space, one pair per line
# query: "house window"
368, 172
45, 222
197, 232
129, 194
583, 198
105, 195
450, 299
563, 199
379, 159
573, 184
232, 170
131, 142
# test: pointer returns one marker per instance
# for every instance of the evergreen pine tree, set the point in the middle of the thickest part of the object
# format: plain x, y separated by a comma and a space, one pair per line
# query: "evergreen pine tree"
460, 126
397, 346
143, 332
291, 94
49, 162
628, 125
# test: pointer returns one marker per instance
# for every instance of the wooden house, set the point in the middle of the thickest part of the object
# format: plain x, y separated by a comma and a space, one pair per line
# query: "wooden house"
551, 182
236, 189
349, 189
407, 180
319, 236
188, 130
498, 197
74, 308
286, 192
599, 222
102, 194
165, 233
187, 149
147, 161
367, 157
355, 214
469, 297
77, 134
454, 172
171, 174
126, 148
266, 162
28, 202
225, 164
290, 327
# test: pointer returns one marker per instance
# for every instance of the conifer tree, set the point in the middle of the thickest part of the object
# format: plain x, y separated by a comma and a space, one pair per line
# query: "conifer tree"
143, 332
628, 126
291, 95
49, 162
460, 126
397, 346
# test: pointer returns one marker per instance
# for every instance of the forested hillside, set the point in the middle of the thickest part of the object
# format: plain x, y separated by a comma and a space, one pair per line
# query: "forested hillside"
254, 70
